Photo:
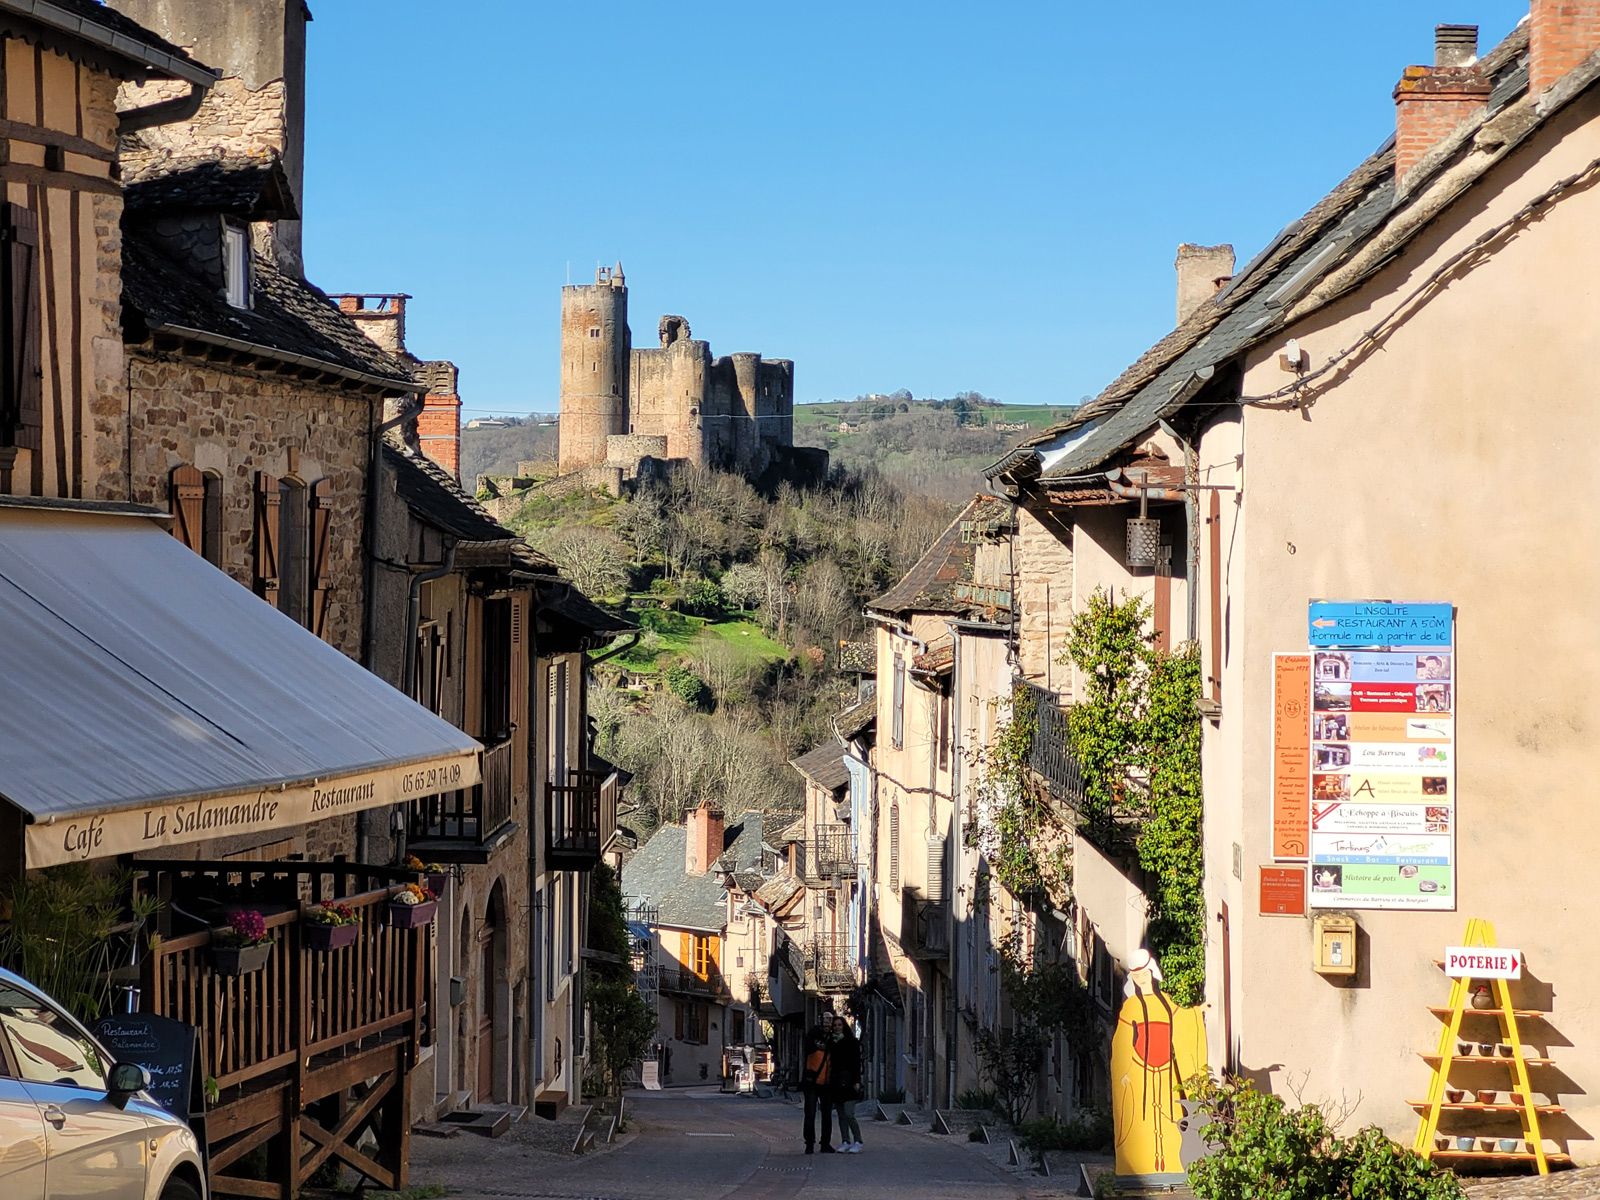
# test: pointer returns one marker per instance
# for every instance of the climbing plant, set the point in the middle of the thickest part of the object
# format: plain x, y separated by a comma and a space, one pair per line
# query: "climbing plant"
1135, 732
1012, 822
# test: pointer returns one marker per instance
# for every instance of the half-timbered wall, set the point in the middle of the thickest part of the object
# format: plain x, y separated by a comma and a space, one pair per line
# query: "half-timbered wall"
57, 142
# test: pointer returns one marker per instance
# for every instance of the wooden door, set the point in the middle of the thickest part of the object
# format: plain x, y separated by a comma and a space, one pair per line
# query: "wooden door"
485, 1092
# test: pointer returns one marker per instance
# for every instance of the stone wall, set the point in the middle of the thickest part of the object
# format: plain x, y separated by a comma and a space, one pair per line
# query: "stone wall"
625, 450
1044, 593
594, 371
234, 424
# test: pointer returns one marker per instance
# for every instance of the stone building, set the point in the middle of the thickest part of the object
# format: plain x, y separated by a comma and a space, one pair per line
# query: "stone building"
621, 405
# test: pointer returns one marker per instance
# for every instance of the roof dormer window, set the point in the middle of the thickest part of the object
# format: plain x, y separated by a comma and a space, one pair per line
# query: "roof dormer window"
236, 264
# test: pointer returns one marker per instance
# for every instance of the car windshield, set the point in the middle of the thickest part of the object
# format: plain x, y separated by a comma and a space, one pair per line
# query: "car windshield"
46, 1046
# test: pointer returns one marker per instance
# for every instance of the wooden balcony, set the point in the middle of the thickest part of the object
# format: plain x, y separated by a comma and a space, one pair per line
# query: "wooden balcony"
466, 825
314, 1049
580, 820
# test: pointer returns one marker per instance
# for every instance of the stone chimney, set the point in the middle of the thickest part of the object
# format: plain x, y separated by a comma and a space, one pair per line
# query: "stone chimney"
1202, 270
379, 315
703, 846
1561, 35
1431, 101
258, 108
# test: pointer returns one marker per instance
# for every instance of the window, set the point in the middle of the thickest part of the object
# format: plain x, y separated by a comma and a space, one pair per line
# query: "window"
21, 381
594, 331
691, 1021
46, 1046
700, 957
736, 1027
897, 716
426, 689
497, 669
194, 498
294, 550
944, 731
236, 265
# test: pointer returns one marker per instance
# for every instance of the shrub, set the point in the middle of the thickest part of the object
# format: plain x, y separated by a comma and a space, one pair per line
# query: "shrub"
981, 1098
703, 598
687, 686
1259, 1146
1087, 1131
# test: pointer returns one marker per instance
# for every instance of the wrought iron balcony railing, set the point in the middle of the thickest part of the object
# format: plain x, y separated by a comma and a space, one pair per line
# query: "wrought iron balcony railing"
830, 963
830, 854
1051, 757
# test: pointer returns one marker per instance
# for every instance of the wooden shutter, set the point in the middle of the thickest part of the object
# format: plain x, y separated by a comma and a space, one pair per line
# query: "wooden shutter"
677, 1019
187, 499
1214, 675
519, 695
23, 401
713, 957
321, 514
267, 504
894, 846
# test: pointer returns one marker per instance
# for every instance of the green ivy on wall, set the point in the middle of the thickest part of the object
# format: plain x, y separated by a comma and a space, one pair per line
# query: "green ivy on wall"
1135, 732
1012, 822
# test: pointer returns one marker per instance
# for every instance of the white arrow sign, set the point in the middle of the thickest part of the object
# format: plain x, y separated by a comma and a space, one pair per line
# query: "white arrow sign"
1482, 962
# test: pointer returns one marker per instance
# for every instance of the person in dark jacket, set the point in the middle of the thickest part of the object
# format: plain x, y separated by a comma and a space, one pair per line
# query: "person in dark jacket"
814, 1075
844, 1084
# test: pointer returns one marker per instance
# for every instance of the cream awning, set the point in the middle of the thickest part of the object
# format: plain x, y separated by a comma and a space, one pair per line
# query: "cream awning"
150, 700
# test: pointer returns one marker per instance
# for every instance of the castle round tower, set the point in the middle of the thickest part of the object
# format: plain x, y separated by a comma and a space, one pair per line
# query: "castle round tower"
595, 346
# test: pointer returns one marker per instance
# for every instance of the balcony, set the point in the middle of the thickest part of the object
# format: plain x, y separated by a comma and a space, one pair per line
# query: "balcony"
313, 1050
580, 820
925, 928
1051, 757
466, 825
830, 967
830, 858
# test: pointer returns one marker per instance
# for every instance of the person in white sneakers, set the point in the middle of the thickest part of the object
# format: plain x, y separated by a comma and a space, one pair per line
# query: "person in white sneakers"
844, 1083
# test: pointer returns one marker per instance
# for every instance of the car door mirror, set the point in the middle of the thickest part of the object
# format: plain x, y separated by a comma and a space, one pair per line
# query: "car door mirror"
126, 1079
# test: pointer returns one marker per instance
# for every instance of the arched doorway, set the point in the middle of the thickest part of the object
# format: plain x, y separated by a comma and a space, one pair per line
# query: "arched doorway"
464, 954
493, 939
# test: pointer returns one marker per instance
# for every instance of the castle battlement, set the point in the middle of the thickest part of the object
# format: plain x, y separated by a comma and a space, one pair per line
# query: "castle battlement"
735, 413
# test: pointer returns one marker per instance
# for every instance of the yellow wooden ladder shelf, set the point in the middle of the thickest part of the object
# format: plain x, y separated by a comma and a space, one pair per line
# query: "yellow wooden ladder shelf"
1481, 933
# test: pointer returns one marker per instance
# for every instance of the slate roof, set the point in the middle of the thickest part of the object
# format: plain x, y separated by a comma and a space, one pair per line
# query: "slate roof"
930, 585
1284, 282
853, 721
289, 314
655, 875
778, 892
433, 496
253, 188
793, 832
940, 658
824, 765
860, 657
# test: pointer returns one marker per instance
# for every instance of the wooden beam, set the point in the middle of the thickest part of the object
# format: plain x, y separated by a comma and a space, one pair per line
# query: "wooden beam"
237, 1149
348, 1072
227, 1185
330, 1139
70, 181
21, 131
347, 1154
232, 1119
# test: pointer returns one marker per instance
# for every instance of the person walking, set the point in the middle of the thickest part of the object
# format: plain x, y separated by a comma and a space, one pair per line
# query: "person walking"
814, 1076
844, 1086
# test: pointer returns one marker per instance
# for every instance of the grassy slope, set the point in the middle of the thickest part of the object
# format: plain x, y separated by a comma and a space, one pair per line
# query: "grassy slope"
746, 638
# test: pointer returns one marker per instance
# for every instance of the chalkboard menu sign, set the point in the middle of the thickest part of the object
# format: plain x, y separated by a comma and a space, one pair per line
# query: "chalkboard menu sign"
168, 1049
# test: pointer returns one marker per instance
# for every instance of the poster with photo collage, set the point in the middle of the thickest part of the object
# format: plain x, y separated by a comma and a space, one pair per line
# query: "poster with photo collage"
1382, 763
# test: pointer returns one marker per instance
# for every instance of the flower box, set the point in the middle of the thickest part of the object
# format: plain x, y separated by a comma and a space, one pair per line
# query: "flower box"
330, 937
240, 960
412, 916
436, 883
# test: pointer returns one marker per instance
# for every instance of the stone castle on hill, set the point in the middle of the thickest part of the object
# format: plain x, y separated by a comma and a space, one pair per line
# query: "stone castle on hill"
627, 411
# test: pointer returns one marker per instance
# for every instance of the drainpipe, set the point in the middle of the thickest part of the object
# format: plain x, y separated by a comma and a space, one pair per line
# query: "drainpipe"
167, 112
955, 857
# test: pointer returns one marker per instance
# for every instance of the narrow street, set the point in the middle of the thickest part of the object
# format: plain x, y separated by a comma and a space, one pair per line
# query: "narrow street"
700, 1143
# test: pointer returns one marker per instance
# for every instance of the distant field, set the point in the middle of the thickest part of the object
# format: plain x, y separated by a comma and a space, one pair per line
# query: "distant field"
749, 644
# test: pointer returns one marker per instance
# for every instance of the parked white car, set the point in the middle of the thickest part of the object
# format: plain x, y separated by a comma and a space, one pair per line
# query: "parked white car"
75, 1123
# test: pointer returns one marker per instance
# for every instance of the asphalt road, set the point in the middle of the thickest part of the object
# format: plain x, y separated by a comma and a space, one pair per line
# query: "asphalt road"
697, 1143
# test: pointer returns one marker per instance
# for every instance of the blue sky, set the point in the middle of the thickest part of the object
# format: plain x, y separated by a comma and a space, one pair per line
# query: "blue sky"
942, 197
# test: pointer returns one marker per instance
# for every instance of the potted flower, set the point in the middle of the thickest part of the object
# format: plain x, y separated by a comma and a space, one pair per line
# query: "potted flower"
412, 907
241, 947
436, 874
332, 927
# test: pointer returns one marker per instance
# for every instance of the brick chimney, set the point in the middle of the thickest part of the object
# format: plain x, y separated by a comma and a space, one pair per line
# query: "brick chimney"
703, 846
439, 424
1431, 101
1202, 270
1561, 34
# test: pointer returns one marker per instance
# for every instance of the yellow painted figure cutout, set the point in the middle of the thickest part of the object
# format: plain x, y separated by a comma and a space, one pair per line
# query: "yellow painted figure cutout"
1156, 1047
